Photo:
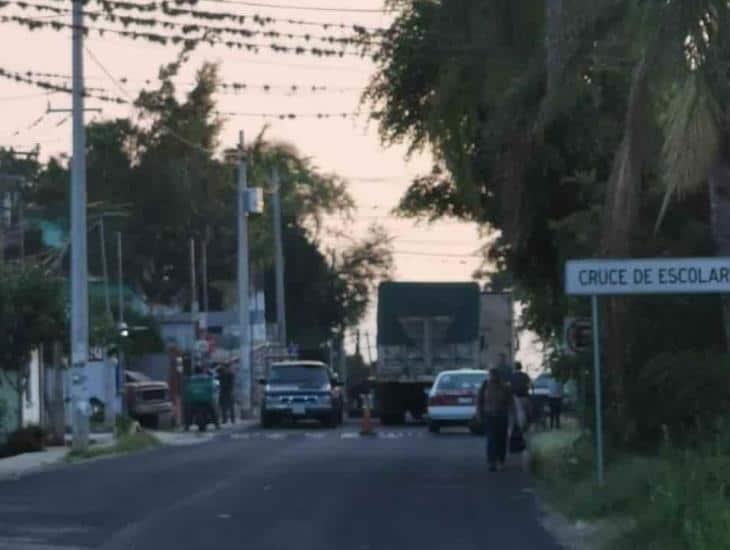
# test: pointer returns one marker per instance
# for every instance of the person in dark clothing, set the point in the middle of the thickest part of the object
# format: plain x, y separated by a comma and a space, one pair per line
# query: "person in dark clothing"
493, 404
520, 381
555, 396
226, 379
520, 385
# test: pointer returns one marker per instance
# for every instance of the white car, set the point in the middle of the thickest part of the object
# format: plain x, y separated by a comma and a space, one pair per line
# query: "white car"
452, 400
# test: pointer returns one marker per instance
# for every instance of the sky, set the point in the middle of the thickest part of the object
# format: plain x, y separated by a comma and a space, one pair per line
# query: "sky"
377, 175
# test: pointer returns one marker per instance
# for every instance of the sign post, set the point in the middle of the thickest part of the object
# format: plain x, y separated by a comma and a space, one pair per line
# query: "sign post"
598, 390
597, 277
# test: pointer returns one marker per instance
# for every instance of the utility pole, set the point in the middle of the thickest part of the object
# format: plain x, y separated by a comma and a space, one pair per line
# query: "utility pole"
21, 226
194, 307
343, 360
204, 267
243, 283
120, 279
105, 270
370, 350
279, 258
79, 260
120, 327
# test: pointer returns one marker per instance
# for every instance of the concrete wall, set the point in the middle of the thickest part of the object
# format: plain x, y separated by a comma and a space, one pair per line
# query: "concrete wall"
32, 397
9, 403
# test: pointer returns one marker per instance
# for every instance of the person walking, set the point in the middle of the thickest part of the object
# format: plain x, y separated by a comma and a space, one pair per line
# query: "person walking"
520, 384
504, 368
226, 379
555, 400
493, 404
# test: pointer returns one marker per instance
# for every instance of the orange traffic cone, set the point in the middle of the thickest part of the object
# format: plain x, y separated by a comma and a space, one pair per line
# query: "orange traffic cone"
367, 425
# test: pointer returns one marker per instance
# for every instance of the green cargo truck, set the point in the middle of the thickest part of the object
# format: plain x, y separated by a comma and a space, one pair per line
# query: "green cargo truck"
423, 329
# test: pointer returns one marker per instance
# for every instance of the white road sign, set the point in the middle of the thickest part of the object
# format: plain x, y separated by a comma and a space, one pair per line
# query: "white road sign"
648, 276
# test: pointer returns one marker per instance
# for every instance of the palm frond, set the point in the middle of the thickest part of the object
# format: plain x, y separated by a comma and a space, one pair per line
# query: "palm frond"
622, 192
692, 139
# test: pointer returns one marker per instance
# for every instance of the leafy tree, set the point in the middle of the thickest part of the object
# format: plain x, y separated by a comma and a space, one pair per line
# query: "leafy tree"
164, 183
549, 136
32, 312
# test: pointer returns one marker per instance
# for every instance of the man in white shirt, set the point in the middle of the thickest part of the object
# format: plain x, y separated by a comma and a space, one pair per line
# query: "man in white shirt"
555, 400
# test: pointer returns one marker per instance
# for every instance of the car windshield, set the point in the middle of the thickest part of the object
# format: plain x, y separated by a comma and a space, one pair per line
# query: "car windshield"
315, 375
137, 377
461, 381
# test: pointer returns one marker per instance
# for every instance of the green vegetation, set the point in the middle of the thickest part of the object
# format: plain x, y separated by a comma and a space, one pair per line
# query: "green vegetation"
674, 500
125, 444
160, 179
569, 129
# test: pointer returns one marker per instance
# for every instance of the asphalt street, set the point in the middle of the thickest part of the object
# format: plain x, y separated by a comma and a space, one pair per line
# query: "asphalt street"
304, 488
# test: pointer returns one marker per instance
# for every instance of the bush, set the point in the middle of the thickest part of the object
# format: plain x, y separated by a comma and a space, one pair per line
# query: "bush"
30, 439
682, 395
689, 503
122, 425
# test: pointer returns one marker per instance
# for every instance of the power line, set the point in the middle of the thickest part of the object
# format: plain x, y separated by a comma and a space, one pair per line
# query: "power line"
289, 116
25, 96
300, 8
226, 87
436, 254
163, 39
359, 39
261, 20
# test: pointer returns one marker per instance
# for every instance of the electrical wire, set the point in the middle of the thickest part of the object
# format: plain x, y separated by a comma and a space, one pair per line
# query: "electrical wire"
300, 8
164, 39
25, 96
234, 87
357, 39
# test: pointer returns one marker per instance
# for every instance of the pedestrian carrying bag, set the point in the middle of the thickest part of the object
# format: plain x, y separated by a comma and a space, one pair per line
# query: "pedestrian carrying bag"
517, 441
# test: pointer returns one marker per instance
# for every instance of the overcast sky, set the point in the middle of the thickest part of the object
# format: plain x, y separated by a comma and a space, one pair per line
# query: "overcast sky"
377, 176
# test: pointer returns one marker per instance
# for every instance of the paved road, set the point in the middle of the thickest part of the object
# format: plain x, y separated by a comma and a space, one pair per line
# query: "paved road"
303, 489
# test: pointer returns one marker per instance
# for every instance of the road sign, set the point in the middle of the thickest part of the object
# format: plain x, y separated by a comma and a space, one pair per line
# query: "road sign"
638, 276
577, 334
648, 276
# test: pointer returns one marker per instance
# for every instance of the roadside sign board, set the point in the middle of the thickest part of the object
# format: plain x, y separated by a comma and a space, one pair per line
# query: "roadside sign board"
577, 334
609, 277
648, 276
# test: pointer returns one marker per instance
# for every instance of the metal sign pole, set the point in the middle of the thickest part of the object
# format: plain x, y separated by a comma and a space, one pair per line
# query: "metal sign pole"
597, 387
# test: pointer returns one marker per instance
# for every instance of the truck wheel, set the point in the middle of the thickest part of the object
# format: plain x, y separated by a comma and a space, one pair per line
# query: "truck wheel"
392, 419
331, 421
266, 421
434, 427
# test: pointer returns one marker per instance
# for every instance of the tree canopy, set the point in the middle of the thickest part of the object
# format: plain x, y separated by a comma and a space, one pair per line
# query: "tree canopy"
162, 181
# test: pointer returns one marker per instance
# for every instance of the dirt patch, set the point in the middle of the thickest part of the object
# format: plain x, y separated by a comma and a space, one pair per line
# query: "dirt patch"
586, 535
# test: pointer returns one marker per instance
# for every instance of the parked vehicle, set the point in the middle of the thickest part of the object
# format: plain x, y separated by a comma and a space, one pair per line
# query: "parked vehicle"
453, 398
148, 401
298, 390
423, 329
200, 401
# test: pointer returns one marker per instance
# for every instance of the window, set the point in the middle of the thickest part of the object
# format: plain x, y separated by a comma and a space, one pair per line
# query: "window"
461, 381
299, 374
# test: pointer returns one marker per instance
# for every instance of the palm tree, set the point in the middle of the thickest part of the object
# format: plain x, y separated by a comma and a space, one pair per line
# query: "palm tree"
676, 48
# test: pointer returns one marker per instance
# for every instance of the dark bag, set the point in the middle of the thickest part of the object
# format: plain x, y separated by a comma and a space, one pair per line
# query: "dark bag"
517, 441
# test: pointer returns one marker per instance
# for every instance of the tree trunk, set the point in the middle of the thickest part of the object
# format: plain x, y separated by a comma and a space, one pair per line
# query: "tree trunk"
621, 205
719, 183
